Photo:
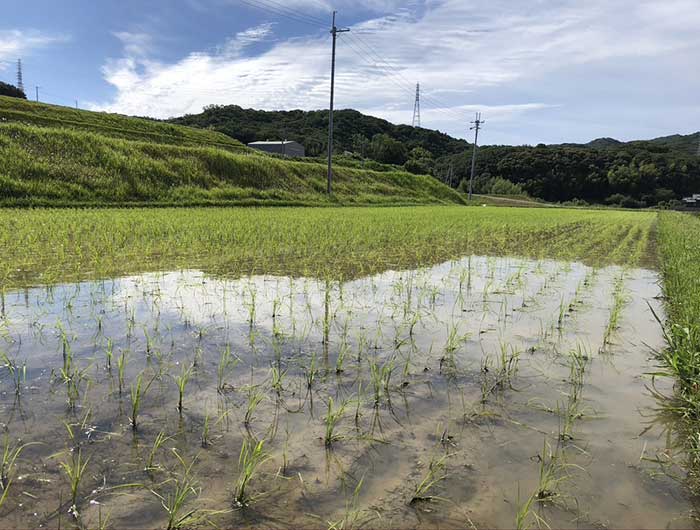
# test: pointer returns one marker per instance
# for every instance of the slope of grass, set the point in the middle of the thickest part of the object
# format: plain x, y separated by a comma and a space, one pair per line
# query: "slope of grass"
53, 166
15, 110
56, 245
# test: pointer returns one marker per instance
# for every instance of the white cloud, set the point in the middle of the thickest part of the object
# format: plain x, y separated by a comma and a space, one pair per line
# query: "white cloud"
467, 55
17, 43
135, 44
235, 45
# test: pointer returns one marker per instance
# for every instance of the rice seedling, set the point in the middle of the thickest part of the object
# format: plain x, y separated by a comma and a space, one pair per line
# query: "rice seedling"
380, 378
205, 438
182, 488
138, 391
121, 370
10, 454
181, 382
277, 376
434, 475
255, 397
352, 513
252, 456
340, 360
311, 371
74, 468
226, 364
160, 439
18, 374
109, 355
619, 299
332, 418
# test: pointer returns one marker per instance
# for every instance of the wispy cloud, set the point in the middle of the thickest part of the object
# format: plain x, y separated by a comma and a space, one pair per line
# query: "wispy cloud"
135, 44
16, 43
235, 45
466, 55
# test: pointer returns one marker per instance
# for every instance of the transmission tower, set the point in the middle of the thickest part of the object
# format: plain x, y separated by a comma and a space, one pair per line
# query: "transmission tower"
416, 108
20, 82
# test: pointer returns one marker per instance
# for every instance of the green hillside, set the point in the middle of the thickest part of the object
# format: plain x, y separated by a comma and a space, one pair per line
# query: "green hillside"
58, 156
604, 171
310, 128
112, 125
684, 143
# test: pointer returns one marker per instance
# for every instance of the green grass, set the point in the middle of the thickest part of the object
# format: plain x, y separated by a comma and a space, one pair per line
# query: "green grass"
45, 167
56, 245
57, 156
111, 125
679, 249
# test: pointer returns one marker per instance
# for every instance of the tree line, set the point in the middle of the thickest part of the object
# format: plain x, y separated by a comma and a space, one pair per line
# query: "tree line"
605, 171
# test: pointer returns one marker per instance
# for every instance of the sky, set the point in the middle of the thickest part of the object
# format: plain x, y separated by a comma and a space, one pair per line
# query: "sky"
539, 71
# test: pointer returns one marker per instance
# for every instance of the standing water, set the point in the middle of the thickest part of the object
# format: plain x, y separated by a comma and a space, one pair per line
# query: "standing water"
484, 392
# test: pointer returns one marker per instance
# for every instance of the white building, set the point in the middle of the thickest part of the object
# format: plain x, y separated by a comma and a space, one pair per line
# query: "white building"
283, 147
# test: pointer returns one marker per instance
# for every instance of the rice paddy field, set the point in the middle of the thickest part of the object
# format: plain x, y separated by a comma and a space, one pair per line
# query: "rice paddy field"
424, 367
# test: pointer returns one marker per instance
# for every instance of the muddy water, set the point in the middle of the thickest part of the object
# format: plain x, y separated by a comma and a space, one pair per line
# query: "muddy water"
491, 373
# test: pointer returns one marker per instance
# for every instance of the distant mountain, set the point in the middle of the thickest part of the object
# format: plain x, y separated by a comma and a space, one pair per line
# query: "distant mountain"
602, 143
686, 143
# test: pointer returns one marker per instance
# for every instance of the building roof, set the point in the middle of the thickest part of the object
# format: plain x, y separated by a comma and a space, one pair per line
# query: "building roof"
277, 142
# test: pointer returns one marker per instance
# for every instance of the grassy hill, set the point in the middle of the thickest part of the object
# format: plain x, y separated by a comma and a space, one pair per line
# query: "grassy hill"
112, 125
59, 156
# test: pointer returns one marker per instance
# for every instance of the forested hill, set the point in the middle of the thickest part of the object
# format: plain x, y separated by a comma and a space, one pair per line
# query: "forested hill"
603, 171
353, 130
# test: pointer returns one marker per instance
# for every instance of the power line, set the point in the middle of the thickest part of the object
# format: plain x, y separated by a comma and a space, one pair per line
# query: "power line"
396, 70
280, 10
274, 7
406, 85
390, 77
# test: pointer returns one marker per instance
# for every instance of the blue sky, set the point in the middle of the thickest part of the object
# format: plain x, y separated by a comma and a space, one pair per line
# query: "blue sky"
539, 71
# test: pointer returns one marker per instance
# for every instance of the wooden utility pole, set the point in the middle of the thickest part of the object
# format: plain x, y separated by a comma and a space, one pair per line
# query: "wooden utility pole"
477, 124
334, 32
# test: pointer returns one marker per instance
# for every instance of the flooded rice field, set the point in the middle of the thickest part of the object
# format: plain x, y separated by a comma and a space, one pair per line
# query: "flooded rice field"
484, 392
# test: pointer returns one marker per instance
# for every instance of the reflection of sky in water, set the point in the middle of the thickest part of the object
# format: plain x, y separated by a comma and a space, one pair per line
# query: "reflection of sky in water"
479, 307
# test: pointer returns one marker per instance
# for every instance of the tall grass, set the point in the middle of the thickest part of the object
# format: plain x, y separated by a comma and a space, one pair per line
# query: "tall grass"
679, 249
98, 169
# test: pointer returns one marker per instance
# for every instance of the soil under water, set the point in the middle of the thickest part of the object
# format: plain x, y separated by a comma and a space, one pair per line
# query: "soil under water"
483, 392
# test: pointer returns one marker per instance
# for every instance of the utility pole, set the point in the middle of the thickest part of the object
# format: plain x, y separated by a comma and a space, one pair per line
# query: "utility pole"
477, 124
334, 32
37, 93
20, 82
416, 108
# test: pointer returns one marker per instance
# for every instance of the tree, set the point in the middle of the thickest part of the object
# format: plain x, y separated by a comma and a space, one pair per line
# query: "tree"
420, 161
360, 144
11, 91
386, 150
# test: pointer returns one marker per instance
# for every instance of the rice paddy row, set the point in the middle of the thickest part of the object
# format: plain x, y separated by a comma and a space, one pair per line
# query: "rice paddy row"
354, 398
48, 246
